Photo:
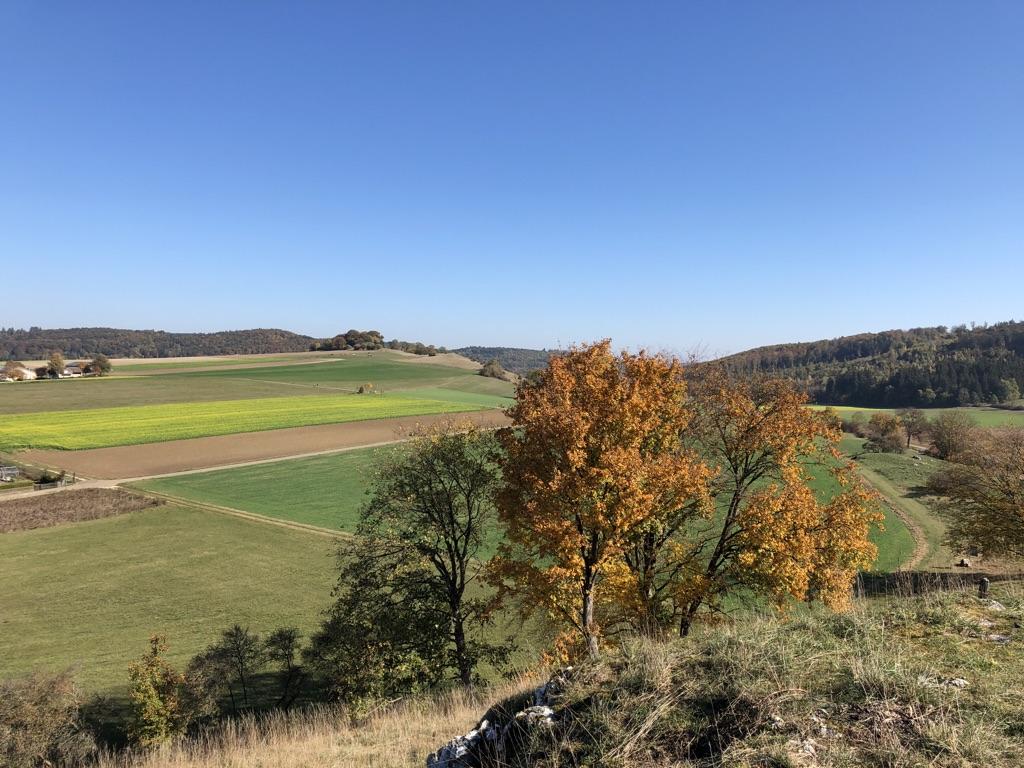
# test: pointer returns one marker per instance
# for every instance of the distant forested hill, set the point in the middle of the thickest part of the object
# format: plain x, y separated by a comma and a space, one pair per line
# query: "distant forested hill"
919, 367
38, 343
514, 359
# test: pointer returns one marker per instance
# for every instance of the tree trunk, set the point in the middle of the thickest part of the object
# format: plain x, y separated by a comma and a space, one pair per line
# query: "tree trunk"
687, 619
461, 653
587, 616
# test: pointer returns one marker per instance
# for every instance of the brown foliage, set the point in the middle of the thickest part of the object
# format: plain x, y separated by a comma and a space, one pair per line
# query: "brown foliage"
984, 494
39, 722
72, 506
885, 433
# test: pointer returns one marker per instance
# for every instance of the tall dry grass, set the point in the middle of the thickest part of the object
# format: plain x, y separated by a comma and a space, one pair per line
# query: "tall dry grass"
398, 736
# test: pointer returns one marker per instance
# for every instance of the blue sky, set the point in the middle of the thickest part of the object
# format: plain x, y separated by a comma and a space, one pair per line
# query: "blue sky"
674, 175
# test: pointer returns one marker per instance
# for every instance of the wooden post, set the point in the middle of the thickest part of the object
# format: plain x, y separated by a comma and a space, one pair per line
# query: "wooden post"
983, 587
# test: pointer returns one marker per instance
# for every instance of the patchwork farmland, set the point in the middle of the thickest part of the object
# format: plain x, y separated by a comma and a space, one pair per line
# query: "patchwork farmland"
188, 569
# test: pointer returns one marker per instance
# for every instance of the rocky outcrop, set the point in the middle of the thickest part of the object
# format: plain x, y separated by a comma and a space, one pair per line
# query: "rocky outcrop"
506, 731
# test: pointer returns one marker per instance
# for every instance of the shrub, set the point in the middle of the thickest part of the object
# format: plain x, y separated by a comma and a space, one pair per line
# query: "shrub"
493, 369
40, 722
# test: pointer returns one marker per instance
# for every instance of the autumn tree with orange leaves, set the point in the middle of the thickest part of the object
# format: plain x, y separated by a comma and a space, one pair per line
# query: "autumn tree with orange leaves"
771, 535
629, 499
592, 460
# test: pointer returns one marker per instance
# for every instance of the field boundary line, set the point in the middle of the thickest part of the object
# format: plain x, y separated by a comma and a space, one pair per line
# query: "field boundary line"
257, 462
250, 516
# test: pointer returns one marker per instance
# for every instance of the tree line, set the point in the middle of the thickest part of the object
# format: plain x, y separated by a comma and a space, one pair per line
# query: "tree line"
37, 343
515, 359
919, 367
370, 340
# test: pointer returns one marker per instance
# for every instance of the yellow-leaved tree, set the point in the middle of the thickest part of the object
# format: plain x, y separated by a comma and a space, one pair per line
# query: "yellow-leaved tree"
631, 499
772, 534
593, 458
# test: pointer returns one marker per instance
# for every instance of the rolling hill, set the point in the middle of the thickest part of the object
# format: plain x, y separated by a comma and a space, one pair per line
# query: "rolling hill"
918, 367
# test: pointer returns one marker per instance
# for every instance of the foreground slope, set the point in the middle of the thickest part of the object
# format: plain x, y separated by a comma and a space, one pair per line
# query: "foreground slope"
933, 680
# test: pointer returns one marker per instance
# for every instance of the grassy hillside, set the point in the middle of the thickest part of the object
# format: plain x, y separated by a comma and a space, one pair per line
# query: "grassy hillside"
88, 595
894, 683
901, 479
316, 375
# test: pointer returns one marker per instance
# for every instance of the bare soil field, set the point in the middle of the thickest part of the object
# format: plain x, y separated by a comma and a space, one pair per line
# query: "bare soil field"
75, 506
152, 459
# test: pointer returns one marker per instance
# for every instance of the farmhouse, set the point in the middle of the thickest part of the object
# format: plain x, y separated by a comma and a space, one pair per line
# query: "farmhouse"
73, 370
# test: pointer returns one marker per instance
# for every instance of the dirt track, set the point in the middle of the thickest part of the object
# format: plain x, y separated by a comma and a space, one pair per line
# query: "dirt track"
135, 461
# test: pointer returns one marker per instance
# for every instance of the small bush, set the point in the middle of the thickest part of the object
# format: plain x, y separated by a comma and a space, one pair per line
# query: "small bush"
493, 369
40, 723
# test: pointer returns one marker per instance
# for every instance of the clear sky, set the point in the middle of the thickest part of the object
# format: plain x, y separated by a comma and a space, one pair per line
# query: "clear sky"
673, 175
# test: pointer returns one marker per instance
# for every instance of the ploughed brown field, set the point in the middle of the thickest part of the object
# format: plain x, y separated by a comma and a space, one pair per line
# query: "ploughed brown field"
149, 459
73, 506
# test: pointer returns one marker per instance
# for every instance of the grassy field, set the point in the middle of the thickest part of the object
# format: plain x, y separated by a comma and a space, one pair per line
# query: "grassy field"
326, 491
983, 416
900, 478
388, 371
893, 539
103, 427
88, 595
188, 364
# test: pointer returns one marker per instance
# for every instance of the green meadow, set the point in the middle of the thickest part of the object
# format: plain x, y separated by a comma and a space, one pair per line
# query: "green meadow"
901, 477
88, 595
983, 416
325, 491
103, 427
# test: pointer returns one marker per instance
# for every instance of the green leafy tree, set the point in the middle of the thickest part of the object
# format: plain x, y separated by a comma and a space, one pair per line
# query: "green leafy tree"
55, 365
282, 649
915, 423
158, 697
951, 434
1010, 391
403, 619
100, 365
229, 665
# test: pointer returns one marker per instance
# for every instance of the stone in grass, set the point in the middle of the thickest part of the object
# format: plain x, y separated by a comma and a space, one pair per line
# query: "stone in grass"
942, 682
